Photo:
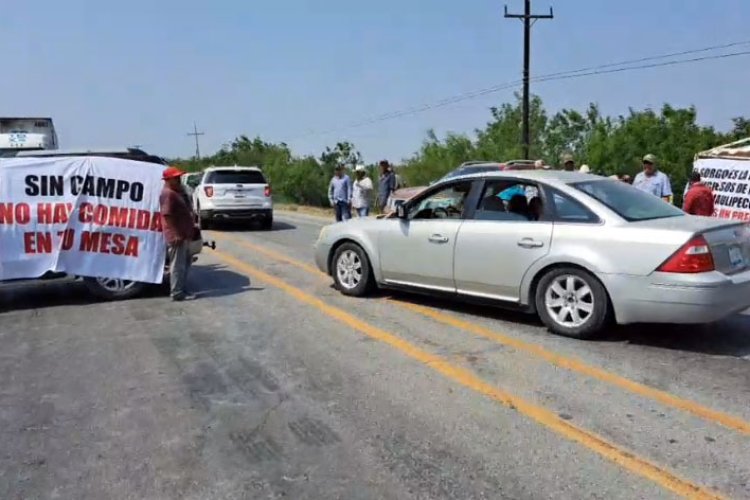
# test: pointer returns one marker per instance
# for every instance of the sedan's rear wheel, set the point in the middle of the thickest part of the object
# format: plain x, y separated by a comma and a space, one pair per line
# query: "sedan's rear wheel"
351, 270
572, 302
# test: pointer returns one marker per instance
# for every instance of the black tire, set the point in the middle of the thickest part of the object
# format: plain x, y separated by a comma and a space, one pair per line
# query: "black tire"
204, 223
129, 289
267, 223
576, 321
355, 288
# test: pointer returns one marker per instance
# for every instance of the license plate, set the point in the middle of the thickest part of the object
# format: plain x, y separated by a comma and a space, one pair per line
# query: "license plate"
735, 257
239, 195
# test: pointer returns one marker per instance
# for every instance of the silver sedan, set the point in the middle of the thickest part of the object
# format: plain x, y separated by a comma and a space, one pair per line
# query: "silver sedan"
576, 249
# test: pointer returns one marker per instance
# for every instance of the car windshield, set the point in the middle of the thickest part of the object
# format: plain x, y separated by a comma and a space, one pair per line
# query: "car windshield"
628, 202
235, 177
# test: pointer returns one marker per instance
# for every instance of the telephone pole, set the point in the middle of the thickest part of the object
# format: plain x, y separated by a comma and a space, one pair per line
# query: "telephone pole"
528, 20
195, 134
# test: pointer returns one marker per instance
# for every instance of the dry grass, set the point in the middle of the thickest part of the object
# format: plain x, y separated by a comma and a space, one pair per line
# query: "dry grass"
302, 209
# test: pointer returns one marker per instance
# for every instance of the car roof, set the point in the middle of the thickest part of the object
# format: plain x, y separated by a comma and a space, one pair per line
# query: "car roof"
479, 164
560, 176
233, 167
79, 152
126, 153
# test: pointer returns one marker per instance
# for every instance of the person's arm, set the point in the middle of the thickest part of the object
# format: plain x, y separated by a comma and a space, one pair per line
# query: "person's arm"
666, 190
349, 190
330, 192
392, 182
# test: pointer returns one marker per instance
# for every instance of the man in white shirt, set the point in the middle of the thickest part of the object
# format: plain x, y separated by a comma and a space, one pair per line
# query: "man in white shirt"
361, 192
652, 180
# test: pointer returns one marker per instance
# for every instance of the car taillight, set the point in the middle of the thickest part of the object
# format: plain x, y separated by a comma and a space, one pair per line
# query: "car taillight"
694, 257
209, 190
267, 192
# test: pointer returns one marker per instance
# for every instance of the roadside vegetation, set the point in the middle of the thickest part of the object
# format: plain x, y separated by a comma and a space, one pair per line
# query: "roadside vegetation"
609, 145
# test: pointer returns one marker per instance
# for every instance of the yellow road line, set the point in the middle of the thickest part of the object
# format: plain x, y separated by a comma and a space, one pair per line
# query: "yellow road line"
571, 364
542, 416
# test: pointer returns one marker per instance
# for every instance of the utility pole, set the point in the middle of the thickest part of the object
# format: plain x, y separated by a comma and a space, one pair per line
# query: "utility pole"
528, 20
195, 134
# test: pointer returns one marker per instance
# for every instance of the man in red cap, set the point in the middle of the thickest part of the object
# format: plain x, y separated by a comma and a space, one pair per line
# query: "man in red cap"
178, 228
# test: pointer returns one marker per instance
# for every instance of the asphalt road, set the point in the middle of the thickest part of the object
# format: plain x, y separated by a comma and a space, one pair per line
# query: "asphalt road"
273, 385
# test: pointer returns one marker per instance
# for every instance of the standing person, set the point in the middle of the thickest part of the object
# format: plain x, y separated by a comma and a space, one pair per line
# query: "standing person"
699, 199
652, 180
340, 194
361, 192
569, 165
386, 184
178, 228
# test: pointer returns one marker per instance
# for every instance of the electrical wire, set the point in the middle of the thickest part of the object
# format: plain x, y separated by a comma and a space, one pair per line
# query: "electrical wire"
563, 75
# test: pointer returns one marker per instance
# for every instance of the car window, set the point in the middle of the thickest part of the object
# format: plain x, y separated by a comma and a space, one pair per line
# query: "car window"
569, 210
447, 203
510, 201
193, 180
234, 177
628, 202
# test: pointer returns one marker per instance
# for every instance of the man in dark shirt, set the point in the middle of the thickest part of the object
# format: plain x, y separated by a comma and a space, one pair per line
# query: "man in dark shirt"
699, 199
386, 184
178, 228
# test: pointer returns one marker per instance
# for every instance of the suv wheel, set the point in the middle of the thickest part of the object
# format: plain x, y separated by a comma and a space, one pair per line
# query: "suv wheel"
113, 288
351, 270
573, 303
203, 223
267, 223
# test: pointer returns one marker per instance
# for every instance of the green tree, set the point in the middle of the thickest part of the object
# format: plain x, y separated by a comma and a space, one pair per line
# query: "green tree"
609, 145
344, 153
437, 157
501, 138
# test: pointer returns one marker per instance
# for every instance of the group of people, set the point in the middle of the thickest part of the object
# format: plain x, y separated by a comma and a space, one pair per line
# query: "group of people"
347, 195
698, 199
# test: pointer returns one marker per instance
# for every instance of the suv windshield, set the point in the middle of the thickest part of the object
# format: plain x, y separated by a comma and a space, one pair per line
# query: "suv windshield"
235, 177
628, 202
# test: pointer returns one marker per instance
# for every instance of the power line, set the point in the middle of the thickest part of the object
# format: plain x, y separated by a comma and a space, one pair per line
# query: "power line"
654, 58
647, 66
564, 75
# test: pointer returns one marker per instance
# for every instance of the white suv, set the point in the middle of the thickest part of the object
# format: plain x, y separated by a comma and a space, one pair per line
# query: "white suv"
233, 194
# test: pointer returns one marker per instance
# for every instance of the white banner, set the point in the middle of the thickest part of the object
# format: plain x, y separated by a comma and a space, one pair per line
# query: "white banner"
94, 217
730, 182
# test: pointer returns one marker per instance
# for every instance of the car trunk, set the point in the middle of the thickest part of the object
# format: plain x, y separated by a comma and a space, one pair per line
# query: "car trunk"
729, 240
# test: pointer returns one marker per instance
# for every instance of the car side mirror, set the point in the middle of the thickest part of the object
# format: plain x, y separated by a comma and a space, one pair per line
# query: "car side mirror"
401, 211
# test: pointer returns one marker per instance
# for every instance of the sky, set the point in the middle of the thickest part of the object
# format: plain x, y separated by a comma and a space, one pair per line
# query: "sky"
302, 71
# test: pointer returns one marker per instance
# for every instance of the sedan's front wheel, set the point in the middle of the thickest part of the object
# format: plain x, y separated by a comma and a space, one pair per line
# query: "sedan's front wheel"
573, 303
114, 289
351, 270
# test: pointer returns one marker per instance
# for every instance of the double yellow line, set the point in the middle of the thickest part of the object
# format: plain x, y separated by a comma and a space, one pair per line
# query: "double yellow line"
606, 449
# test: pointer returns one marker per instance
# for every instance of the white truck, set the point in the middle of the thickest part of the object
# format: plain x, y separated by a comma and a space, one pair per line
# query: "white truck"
26, 134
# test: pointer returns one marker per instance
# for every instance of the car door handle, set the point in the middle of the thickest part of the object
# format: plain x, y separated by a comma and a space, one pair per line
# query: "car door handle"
438, 238
530, 243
